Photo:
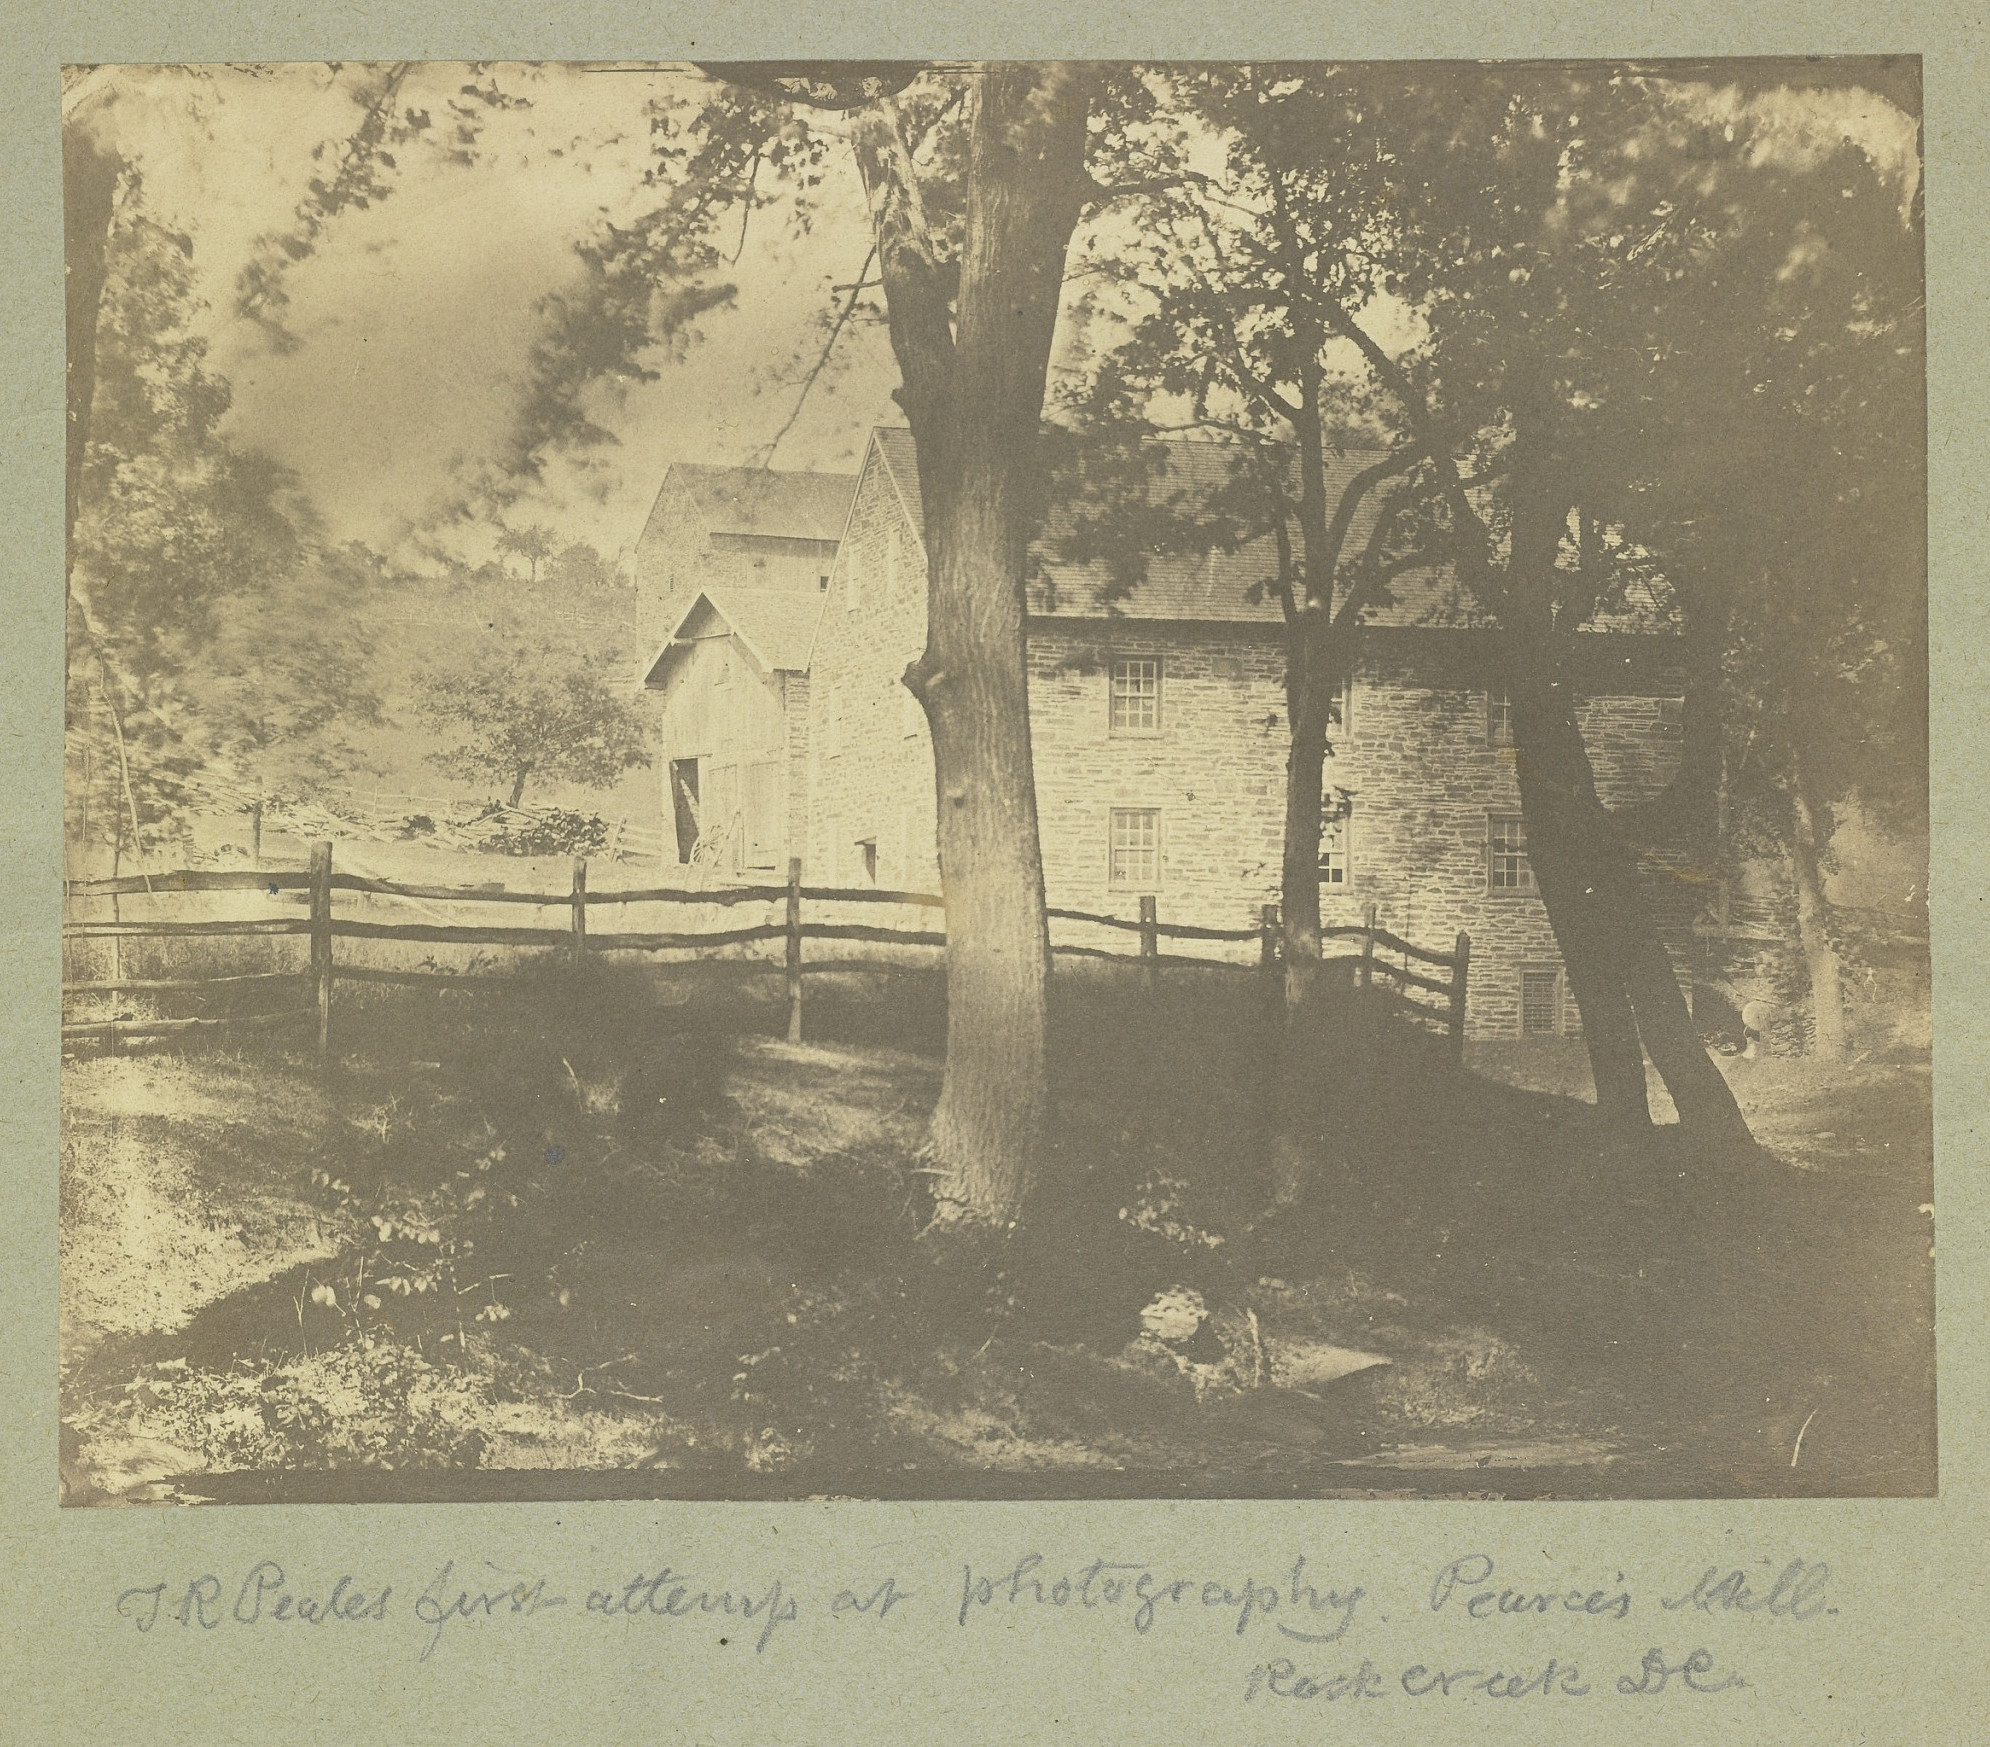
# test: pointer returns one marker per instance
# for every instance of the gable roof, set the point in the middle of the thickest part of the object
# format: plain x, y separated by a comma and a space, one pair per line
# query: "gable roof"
777, 627
1216, 587
759, 500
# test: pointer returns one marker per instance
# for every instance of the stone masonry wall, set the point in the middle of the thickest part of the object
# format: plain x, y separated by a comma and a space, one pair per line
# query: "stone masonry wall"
1416, 758
870, 752
677, 554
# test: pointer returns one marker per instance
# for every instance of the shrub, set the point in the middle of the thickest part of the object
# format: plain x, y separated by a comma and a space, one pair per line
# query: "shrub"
554, 831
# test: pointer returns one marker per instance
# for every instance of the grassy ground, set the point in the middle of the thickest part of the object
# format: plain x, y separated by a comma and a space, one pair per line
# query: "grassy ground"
616, 1238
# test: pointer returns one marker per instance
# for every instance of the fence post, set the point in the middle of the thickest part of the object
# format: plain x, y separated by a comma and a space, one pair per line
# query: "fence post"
794, 949
579, 949
1460, 968
321, 941
1367, 970
1150, 941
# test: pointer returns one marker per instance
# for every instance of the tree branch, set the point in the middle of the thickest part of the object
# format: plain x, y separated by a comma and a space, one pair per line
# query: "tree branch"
1098, 193
836, 85
842, 320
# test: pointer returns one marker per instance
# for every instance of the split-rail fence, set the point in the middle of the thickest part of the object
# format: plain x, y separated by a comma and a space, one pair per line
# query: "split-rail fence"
1389, 980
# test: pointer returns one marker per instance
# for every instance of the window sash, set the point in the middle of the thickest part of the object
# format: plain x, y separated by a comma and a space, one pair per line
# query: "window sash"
1136, 695
1499, 719
1507, 866
1135, 849
1336, 845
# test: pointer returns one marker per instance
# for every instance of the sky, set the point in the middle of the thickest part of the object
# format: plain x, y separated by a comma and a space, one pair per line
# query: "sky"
415, 316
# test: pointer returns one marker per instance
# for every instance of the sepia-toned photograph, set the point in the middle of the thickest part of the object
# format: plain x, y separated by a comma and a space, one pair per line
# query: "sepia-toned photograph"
964, 780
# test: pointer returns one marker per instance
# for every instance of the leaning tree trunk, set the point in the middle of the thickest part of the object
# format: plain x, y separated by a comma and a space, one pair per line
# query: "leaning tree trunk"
1556, 782
1586, 872
1820, 957
973, 394
1556, 786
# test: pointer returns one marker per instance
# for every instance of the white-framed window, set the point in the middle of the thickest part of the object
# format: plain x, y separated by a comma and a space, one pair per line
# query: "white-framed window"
1135, 852
1547, 1008
1342, 707
1508, 871
1136, 694
1499, 719
1671, 718
1336, 842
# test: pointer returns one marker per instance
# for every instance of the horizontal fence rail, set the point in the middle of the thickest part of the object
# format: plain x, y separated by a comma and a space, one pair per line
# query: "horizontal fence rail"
319, 883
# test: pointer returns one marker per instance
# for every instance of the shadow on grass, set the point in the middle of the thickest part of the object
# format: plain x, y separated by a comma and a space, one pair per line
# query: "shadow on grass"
622, 1199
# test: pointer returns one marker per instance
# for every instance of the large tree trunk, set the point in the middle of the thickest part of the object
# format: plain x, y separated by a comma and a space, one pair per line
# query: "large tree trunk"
1587, 873
1305, 793
1820, 957
1557, 789
974, 400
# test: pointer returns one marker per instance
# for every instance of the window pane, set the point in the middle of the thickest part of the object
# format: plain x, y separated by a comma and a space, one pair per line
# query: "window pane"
1136, 695
1136, 848
1335, 817
1499, 719
1510, 869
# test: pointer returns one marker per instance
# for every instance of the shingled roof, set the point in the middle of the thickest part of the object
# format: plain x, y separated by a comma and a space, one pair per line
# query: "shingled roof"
1217, 587
759, 500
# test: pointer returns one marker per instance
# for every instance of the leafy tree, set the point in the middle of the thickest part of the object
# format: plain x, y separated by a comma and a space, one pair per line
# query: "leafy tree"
975, 181
201, 650
1594, 252
1805, 558
1588, 257
535, 544
524, 711
577, 568
1213, 312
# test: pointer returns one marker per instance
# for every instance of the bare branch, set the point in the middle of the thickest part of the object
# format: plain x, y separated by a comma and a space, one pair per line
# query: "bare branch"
746, 207
857, 289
